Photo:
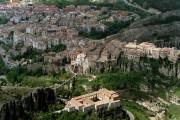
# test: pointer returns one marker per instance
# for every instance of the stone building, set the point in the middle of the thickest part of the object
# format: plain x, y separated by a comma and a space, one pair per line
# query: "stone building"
102, 99
80, 61
134, 51
175, 99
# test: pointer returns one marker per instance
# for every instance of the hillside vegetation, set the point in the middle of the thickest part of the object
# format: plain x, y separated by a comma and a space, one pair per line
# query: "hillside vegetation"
162, 5
162, 29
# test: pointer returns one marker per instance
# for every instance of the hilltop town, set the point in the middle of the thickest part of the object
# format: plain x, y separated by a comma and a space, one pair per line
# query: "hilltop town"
77, 59
41, 27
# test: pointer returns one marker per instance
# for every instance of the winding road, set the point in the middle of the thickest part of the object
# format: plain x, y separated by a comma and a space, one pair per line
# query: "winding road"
131, 116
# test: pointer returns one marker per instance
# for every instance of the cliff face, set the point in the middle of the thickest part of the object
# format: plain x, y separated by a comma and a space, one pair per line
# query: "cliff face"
112, 56
162, 66
38, 100
163, 29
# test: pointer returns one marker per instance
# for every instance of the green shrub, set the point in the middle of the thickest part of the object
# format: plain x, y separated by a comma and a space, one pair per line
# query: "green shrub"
3, 68
58, 48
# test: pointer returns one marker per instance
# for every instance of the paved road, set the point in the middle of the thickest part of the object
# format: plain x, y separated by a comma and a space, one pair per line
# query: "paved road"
131, 116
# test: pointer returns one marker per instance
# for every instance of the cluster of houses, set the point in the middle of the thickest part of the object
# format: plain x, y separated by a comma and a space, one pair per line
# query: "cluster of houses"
81, 17
41, 26
87, 18
91, 54
134, 51
40, 37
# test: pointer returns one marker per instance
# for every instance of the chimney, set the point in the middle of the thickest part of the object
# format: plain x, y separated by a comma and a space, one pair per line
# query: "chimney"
135, 42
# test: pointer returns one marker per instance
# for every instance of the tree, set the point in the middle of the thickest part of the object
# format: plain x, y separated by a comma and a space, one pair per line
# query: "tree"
3, 20
3, 82
58, 48
3, 68
12, 75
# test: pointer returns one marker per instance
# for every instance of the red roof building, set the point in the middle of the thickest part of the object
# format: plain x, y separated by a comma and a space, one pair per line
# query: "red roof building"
45, 9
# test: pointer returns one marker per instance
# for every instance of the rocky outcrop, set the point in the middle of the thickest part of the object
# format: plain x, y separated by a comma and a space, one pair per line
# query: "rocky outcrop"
38, 100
